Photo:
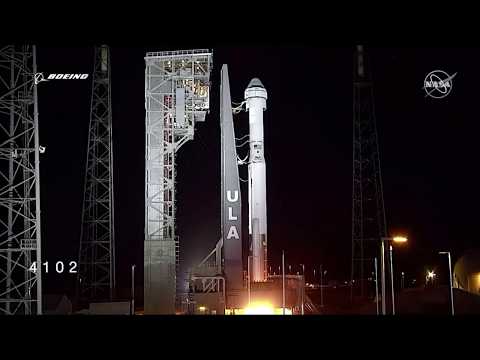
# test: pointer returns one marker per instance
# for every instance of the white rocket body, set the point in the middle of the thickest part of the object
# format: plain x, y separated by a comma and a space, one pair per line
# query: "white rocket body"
256, 103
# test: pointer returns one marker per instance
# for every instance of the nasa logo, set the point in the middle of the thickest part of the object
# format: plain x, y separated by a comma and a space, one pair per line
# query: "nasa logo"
232, 232
438, 84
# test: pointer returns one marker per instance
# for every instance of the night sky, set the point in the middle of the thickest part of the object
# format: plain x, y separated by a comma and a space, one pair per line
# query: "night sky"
428, 150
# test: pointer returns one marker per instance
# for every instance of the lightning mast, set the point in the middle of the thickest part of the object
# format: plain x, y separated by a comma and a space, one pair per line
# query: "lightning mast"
20, 241
177, 85
96, 276
368, 209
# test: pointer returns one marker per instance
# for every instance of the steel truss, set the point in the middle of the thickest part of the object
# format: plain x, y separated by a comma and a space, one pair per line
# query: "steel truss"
20, 241
368, 209
96, 277
177, 87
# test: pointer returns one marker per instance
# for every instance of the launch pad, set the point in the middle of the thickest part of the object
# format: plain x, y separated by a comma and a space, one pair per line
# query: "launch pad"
221, 284
257, 298
177, 88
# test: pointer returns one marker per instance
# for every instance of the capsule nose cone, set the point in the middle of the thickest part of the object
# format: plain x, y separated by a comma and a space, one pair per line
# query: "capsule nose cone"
255, 82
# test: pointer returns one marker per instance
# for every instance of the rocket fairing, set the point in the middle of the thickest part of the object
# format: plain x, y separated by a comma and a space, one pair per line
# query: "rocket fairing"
256, 103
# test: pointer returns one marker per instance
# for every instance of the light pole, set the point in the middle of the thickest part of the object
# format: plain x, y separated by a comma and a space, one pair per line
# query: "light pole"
283, 281
382, 268
450, 278
396, 239
391, 279
133, 290
403, 280
248, 284
321, 285
376, 285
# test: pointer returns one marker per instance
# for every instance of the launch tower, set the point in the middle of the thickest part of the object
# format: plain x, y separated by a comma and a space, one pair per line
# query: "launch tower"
368, 210
96, 276
20, 241
177, 92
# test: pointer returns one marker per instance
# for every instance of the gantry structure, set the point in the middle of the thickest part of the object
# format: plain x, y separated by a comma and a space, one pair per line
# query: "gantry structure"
96, 276
177, 93
368, 209
20, 240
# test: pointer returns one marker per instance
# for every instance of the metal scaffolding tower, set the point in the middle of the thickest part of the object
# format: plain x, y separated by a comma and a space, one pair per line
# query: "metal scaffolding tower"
368, 210
177, 85
96, 277
20, 243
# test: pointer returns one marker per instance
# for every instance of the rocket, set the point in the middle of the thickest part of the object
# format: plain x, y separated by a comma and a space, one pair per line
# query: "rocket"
256, 104
231, 200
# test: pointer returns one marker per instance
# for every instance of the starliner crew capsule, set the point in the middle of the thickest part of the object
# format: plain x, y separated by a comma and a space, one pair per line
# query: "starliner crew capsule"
256, 103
